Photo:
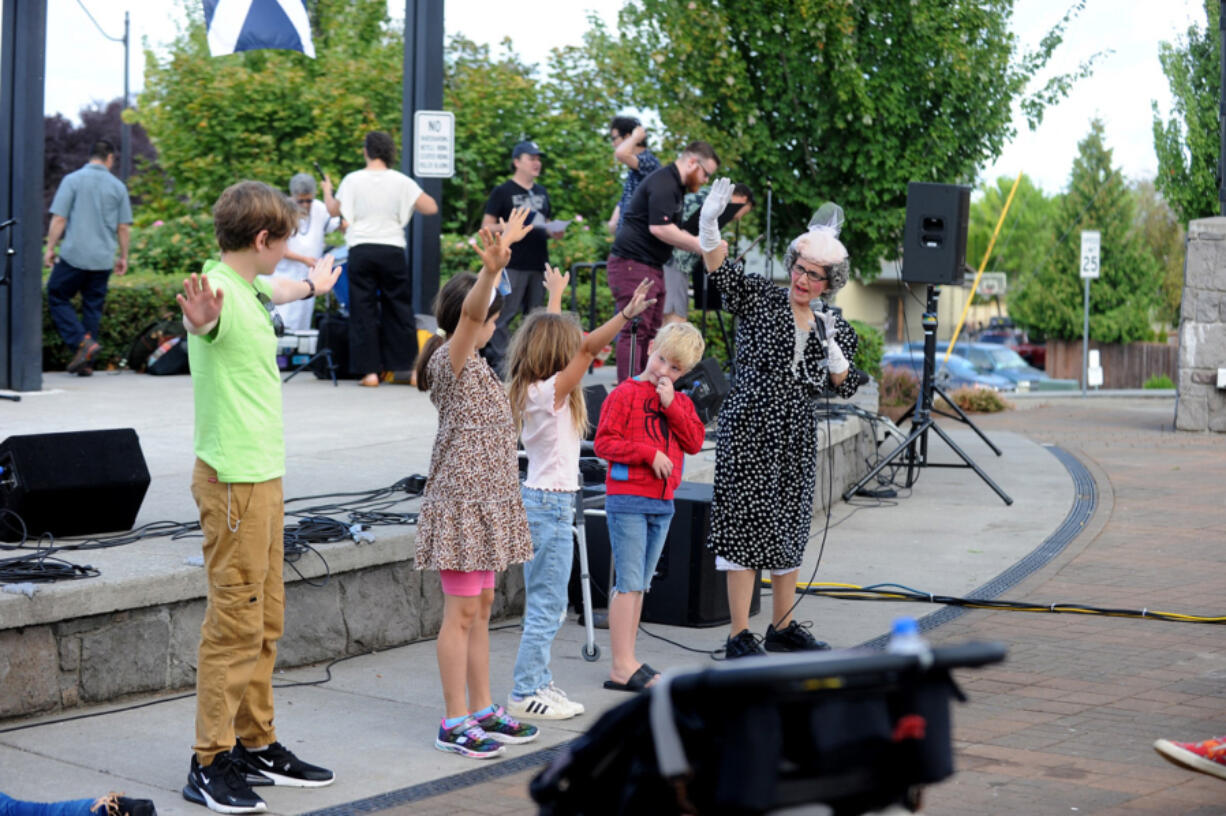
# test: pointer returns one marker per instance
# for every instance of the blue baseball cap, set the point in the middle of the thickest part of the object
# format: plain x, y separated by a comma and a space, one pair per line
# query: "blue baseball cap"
525, 147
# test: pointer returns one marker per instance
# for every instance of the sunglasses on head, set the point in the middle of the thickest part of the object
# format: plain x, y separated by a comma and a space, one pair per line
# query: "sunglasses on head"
278, 325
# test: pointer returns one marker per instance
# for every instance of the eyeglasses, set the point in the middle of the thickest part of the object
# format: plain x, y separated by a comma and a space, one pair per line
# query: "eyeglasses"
813, 277
278, 325
706, 174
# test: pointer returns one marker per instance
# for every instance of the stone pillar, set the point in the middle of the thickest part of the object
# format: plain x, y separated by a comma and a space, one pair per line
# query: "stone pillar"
1201, 406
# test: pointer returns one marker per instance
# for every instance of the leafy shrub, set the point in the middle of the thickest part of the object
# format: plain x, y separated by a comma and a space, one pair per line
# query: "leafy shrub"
176, 247
1159, 381
132, 303
897, 387
979, 400
872, 346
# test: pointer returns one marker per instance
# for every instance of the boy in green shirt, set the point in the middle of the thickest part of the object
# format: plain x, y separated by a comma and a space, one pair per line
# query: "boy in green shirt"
240, 458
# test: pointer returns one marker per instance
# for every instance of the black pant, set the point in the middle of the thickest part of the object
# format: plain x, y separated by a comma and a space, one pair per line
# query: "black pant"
382, 329
66, 281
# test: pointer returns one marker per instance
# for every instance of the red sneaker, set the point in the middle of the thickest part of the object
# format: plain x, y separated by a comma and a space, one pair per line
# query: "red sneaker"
1207, 757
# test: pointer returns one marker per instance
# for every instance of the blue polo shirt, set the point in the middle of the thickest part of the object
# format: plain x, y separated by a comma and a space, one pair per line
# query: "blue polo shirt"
95, 203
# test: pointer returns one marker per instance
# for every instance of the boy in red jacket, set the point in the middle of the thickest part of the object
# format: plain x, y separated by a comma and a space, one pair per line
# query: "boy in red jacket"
645, 431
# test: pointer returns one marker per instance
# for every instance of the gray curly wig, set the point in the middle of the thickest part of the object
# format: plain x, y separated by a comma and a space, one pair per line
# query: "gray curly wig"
821, 246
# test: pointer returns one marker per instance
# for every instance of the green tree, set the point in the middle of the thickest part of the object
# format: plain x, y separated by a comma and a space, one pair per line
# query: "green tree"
1050, 299
1187, 143
1026, 236
1163, 236
831, 100
268, 114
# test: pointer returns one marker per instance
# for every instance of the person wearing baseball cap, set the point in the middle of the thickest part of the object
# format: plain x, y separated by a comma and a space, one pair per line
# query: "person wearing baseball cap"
526, 269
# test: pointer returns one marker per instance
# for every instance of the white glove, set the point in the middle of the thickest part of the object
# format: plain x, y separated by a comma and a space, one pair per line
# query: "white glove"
830, 322
835, 361
712, 208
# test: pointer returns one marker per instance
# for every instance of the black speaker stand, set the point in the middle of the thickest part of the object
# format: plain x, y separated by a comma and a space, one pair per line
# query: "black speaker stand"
914, 449
324, 353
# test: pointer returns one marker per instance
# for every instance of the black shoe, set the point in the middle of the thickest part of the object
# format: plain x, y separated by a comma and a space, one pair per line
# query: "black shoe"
115, 805
277, 765
85, 352
794, 637
221, 787
743, 644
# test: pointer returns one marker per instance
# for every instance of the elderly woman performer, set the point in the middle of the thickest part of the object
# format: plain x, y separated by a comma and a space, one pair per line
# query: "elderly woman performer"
304, 248
788, 354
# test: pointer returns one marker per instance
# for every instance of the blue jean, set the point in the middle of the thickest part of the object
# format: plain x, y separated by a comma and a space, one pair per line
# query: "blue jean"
16, 807
638, 528
551, 515
65, 281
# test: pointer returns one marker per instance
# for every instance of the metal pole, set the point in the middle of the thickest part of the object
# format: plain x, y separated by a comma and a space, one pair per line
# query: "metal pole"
1085, 339
770, 248
125, 142
422, 90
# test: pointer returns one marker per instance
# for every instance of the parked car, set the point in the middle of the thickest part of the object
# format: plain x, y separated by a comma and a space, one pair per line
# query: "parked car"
992, 358
957, 373
1033, 353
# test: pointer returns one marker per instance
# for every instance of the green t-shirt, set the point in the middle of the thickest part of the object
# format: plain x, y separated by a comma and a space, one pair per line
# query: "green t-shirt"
239, 428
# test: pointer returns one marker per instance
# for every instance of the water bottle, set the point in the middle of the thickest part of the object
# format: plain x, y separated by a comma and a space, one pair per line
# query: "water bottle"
906, 639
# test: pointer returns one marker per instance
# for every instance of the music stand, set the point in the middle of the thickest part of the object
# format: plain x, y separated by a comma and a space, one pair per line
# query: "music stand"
914, 448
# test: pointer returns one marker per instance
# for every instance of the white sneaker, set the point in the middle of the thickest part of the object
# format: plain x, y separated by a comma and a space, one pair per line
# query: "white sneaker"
539, 706
552, 691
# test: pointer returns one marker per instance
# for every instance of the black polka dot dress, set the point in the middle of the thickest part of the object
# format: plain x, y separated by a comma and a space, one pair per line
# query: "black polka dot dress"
766, 444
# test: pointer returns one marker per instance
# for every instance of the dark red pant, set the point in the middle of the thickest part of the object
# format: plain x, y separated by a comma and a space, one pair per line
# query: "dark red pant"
624, 276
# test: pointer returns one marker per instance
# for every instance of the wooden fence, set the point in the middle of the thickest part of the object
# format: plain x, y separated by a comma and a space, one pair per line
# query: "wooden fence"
1124, 366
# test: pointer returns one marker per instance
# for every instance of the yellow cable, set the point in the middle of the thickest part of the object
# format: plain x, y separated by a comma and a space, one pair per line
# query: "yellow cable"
966, 307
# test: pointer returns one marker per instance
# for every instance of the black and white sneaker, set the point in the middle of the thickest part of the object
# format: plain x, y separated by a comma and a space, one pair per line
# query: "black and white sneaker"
794, 637
221, 787
743, 644
278, 765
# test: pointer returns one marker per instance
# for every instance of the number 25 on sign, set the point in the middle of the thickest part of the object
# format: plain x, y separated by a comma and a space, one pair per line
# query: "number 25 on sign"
1091, 241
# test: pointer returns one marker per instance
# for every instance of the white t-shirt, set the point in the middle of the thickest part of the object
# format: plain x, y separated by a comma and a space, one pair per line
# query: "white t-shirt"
550, 440
378, 205
307, 240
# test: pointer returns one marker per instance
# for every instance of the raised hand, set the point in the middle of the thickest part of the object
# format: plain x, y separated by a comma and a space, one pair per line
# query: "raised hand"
555, 281
515, 227
639, 302
494, 256
201, 304
708, 218
324, 275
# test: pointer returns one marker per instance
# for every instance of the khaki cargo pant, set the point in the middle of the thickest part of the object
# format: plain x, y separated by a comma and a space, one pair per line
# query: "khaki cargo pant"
243, 549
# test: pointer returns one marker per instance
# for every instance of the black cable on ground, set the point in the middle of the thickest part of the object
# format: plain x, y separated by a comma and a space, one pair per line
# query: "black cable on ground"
899, 592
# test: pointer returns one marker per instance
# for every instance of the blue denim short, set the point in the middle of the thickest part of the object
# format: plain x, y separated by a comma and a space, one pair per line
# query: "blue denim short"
638, 528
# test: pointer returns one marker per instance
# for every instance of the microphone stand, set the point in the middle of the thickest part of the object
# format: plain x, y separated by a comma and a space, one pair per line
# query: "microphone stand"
9, 252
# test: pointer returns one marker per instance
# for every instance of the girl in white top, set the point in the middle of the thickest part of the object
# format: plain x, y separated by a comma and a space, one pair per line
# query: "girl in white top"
304, 248
547, 360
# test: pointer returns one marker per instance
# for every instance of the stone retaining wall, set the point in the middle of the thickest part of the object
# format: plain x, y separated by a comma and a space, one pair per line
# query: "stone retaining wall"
1202, 330
47, 665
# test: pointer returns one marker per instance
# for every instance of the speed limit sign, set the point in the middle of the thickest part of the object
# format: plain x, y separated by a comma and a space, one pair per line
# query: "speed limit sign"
1091, 242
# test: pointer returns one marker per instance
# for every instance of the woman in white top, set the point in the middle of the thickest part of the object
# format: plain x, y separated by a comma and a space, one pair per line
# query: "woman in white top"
377, 203
304, 249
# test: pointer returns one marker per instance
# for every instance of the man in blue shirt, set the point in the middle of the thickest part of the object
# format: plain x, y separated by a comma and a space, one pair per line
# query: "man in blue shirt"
93, 215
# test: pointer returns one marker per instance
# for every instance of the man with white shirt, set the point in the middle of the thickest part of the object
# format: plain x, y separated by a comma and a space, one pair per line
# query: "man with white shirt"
376, 204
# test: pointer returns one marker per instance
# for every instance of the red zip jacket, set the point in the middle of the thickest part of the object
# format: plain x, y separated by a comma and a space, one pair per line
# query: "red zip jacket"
633, 427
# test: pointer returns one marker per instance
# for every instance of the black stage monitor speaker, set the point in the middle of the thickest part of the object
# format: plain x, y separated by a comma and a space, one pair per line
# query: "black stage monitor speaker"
687, 590
67, 484
707, 386
934, 244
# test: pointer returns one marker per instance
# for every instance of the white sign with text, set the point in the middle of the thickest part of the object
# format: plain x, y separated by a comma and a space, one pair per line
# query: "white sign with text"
433, 144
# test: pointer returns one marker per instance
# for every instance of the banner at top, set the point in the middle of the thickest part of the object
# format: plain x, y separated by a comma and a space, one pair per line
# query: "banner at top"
249, 25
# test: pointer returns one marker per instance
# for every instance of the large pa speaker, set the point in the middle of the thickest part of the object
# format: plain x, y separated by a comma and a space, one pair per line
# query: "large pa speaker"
934, 244
687, 590
66, 484
334, 335
707, 386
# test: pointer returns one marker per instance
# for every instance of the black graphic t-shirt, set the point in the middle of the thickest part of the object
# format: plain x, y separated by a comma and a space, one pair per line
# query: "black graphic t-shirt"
532, 253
